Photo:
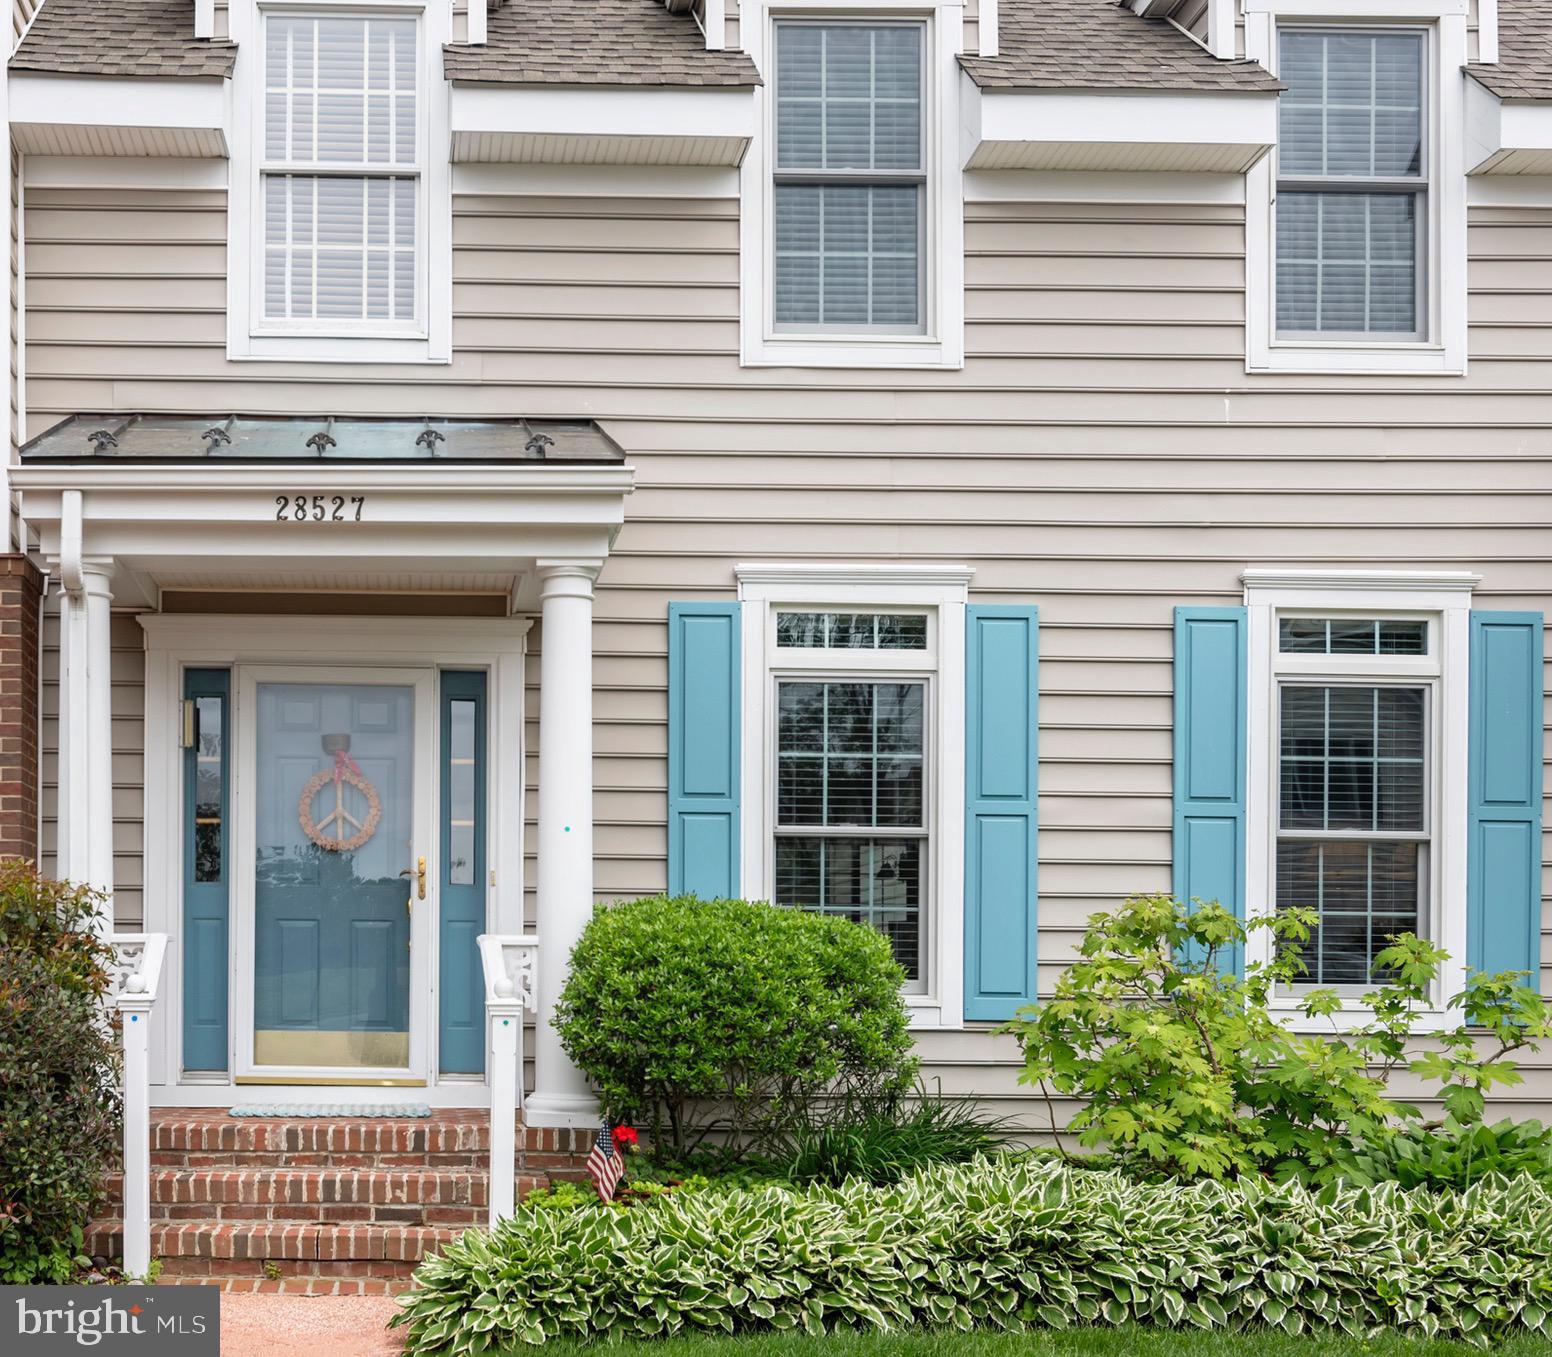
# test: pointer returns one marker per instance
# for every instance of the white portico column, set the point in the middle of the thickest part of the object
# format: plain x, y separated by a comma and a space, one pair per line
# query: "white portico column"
85, 713
561, 1095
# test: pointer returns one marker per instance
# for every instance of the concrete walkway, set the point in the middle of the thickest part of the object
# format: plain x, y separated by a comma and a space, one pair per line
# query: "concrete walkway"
308, 1326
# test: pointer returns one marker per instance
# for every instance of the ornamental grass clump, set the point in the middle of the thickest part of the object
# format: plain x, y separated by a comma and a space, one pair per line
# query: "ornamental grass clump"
731, 1019
1008, 1242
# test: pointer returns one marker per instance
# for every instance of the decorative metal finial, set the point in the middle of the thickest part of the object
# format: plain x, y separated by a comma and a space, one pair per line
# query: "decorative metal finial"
536, 445
215, 436
429, 438
320, 441
102, 440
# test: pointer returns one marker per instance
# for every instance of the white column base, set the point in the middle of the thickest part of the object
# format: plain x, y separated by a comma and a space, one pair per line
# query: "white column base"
560, 1109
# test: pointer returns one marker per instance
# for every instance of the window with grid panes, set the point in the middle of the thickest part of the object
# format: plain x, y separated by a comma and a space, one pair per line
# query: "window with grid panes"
340, 174
1352, 183
1354, 814
852, 779
850, 175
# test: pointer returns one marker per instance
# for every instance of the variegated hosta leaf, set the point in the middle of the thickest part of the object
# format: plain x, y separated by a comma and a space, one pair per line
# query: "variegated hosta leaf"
1001, 1242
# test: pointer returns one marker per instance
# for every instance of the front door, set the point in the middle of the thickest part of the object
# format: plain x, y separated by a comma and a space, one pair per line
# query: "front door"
340, 874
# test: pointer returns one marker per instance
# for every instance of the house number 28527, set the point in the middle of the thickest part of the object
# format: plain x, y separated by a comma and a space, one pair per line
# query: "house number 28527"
319, 508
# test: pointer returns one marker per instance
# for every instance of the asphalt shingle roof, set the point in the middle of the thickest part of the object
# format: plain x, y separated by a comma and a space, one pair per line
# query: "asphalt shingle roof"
120, 37
1524, 69
599, 42
1101, 45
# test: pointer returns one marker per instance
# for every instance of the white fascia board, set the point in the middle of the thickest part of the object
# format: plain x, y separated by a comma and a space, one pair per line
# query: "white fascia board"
198, 108
646, 116
1506, 137
1102, 127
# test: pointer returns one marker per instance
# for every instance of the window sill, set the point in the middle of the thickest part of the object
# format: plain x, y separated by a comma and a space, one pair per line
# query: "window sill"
304, 348
823, 352
927, 1013
1357, 360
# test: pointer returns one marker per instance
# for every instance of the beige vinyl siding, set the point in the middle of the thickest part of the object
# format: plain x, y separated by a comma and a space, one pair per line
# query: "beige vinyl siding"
1102, 454
128, 732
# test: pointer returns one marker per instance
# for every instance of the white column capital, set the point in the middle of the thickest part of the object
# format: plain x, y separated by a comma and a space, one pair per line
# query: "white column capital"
97, 574
570, 578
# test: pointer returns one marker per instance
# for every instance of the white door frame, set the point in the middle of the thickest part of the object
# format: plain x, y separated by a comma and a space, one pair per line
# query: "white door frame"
176, 642
242, 904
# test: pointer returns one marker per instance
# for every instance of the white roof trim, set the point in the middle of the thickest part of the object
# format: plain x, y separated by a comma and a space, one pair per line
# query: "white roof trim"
120, 115
1506, 137
1067, 130
569, 126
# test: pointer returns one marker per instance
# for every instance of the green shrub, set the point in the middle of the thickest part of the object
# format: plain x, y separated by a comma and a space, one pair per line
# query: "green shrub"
1184, 1070
1003, 1243
883, 1141
692, 1015
59, 1100
1452, 1155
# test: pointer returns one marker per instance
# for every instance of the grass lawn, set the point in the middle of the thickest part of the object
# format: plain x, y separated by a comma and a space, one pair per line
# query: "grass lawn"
1047, 1343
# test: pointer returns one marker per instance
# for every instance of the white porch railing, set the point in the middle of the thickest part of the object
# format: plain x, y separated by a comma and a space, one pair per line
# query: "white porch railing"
511, 979
137, 970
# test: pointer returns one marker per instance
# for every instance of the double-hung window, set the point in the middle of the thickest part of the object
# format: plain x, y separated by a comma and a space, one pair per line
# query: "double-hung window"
1352, 184
340, 176
853, 702
849, 178
1355, 698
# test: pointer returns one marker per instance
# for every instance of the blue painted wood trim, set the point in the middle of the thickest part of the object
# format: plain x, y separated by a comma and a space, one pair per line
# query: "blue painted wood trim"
1002, 777
1211, 747
705, 714
461, 988
1503, 855
205, 949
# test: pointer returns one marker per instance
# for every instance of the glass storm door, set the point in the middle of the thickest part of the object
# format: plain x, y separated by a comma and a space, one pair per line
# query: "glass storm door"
340, 813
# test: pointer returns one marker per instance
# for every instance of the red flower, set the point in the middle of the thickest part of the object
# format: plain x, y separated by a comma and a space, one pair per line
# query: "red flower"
626, 1135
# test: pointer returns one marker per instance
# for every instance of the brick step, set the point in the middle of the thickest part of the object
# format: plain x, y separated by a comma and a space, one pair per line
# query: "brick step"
449, 1139
243, 1248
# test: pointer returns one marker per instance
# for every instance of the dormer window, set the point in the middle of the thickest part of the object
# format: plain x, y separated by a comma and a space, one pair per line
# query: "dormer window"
1352, 184
340, 223
851, 223
850, 177
340, 173
1356, 223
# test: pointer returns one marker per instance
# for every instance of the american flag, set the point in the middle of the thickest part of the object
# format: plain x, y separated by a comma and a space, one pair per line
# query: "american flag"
605, 1165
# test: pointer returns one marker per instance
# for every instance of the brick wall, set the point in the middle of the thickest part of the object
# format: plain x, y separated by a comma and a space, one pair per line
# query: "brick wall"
20, 583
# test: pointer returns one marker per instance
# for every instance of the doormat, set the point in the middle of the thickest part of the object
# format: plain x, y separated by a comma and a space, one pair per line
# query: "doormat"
316, 1110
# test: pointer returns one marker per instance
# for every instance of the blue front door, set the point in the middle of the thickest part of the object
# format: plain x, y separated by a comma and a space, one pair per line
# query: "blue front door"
336, 885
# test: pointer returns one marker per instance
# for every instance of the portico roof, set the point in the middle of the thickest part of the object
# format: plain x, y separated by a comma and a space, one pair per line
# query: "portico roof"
313, 505
326, 438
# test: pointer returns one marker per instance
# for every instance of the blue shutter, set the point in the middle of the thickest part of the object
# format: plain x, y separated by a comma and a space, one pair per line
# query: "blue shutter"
1503, 882
704, 716
1001, 789
1210, 756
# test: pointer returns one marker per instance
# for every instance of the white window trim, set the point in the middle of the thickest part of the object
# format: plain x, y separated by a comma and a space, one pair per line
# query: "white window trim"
1445, 598
943, 344
245, 336
1444, 289
943, 589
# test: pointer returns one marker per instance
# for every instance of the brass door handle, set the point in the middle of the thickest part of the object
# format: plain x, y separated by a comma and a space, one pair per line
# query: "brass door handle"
418, 871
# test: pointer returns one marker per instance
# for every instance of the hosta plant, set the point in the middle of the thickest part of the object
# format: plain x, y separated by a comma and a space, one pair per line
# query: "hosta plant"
1007, 1242
1181, 1067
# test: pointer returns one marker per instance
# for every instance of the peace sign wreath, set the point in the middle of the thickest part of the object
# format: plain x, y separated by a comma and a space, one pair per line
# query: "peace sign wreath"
344, 772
